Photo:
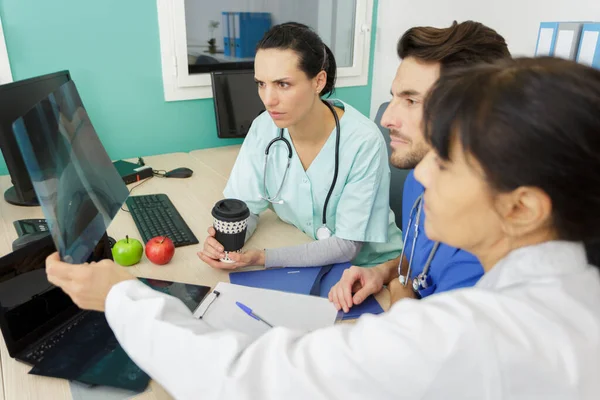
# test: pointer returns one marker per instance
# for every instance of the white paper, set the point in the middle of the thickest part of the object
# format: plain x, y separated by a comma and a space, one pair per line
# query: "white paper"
545, 42
564, 44
295, 311
588, 47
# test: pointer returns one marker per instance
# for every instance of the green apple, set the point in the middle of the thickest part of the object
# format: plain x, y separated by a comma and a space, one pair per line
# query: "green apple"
127, 252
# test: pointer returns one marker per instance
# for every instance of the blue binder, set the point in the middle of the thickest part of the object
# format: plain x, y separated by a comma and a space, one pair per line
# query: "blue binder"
316, 281
231, 34
589, 45
235, 50
252, 28
546, 41
225, 28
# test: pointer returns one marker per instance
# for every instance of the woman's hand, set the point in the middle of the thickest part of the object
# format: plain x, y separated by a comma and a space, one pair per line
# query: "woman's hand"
213, 252
87, 284
363, 282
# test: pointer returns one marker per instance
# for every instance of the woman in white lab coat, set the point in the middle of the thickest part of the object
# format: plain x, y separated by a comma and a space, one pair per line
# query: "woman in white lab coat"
513, 178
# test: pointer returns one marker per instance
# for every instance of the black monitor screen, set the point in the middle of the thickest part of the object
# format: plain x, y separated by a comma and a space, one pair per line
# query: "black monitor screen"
16, 99
78, 187
237, 103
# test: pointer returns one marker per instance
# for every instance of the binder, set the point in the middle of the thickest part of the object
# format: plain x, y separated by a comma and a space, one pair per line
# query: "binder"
589, 45
231, 35
225, 28
559, 39
567, 40
236, 35
316, 281
253, 27
546, 40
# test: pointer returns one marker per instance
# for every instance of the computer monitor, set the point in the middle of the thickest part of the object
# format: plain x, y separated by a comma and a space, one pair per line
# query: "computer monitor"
236, 100
16, 99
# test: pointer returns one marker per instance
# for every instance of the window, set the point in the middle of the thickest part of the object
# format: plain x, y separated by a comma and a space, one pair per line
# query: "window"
187, 26
5, 73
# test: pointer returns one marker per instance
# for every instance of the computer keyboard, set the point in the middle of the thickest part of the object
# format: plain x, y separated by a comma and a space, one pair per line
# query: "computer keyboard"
36, 355
155, 215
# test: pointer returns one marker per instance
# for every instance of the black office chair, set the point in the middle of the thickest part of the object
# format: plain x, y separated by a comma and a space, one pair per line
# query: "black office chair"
398, 175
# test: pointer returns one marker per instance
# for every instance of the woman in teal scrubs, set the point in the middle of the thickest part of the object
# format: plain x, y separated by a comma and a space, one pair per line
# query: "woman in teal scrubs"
294, 69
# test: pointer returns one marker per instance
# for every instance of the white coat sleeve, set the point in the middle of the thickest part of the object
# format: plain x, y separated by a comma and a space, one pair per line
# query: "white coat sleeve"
394, 355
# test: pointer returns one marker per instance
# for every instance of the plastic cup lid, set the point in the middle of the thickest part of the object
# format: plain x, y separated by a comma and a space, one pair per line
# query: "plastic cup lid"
230, 210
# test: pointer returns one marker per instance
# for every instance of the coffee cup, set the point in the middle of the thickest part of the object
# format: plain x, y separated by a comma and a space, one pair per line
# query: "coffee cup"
230, 220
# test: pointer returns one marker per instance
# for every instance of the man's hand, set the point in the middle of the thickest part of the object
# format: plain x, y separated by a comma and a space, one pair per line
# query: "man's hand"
363, 282
398, 291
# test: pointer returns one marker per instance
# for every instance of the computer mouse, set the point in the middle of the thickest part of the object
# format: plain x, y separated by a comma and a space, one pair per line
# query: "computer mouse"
179, 173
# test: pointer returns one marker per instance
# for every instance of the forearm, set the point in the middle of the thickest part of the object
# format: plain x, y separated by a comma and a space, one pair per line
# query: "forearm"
321, 252
397, 290
389, 270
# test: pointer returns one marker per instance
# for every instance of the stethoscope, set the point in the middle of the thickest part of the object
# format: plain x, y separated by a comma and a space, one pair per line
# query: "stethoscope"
323, 232
423, 285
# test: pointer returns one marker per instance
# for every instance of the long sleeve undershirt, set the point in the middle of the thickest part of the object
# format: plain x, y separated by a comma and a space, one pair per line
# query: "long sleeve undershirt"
321, 252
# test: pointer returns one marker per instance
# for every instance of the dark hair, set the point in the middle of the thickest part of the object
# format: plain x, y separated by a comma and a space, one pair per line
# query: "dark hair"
528, 122
459, 45
314, 55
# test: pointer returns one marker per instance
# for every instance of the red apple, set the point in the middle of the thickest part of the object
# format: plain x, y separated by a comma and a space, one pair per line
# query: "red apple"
160, 250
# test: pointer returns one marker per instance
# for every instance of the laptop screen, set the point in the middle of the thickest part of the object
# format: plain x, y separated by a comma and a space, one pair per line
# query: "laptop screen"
30, 306
78, 187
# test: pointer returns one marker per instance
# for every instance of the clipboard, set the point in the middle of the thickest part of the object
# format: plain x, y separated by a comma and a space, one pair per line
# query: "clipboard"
294, 311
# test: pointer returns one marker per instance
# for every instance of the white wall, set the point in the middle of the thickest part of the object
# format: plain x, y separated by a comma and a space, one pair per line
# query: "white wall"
517, 20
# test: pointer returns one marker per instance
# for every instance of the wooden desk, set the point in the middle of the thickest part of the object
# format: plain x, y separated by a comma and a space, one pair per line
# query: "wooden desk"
194, 198
220, 159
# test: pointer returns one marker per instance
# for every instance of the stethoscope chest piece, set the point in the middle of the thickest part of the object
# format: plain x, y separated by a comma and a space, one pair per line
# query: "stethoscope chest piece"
323, 233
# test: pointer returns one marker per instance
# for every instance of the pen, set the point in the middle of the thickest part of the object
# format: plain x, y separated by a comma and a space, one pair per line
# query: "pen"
251, 313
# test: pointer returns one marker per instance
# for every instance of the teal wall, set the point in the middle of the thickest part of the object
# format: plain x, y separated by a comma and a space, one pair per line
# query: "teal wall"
112, 49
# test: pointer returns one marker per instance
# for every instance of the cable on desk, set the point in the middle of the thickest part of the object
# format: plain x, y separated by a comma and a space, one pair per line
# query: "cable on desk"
133, 188
159, 172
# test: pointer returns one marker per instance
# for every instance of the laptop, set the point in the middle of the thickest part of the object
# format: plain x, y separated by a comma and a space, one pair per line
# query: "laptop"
43, 328
34, 314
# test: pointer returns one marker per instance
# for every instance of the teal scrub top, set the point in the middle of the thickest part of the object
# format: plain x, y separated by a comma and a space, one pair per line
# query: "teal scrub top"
358, 209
